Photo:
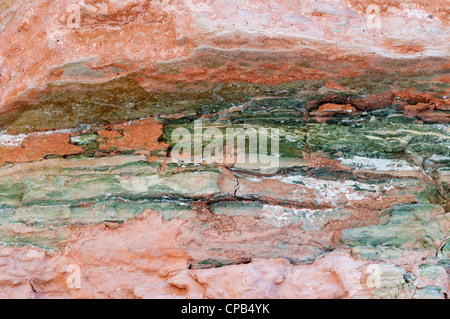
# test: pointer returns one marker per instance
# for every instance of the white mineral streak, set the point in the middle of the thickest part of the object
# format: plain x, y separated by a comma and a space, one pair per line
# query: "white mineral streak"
311, 219
334, 191
11, 140
17, 140
378, 164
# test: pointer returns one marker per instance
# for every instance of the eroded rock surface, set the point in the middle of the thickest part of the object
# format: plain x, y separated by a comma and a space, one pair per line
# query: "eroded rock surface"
93, 203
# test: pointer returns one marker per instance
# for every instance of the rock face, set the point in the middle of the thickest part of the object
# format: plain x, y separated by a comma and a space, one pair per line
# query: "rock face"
96, 201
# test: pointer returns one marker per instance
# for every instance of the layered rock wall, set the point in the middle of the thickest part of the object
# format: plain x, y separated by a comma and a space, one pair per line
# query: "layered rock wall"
95, 204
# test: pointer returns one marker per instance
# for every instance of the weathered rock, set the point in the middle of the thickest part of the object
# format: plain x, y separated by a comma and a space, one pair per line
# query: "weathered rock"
95, 202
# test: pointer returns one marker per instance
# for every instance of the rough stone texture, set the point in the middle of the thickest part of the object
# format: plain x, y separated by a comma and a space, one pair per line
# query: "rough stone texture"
93, 204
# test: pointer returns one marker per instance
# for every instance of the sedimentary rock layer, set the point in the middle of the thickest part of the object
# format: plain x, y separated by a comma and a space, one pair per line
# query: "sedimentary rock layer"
95, 204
